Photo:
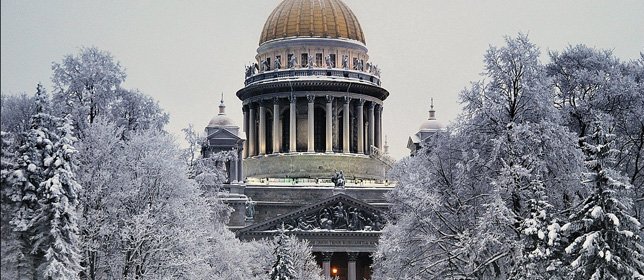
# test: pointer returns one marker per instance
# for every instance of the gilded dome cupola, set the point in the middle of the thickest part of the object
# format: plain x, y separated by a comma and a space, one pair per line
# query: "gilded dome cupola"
312, 18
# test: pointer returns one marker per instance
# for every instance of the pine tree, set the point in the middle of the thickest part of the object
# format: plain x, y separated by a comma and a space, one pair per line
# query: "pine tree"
283, 267
603, 238
43, 192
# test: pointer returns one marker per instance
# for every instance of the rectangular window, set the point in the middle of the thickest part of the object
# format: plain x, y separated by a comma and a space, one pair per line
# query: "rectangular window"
333, 62
268, 63
318, 59
305, 60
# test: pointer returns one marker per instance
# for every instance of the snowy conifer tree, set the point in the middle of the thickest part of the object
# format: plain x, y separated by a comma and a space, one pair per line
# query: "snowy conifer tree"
603, 238
283, 267
44, 193
54, 228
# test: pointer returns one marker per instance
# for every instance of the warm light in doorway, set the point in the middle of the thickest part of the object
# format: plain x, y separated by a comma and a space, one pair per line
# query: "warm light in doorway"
334, 270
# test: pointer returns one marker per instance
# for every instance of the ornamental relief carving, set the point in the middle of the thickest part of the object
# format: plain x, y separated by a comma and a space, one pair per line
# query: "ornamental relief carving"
337, 216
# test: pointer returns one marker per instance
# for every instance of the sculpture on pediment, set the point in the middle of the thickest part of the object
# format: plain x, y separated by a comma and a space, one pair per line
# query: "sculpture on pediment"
336, 217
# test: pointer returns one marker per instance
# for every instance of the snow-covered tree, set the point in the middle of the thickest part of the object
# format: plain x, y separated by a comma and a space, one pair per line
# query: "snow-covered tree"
603, 239
89, 85
460, 208
44, 196
283, 268
591, 81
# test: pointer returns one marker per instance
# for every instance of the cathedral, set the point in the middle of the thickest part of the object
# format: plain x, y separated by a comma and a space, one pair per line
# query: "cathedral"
309, 154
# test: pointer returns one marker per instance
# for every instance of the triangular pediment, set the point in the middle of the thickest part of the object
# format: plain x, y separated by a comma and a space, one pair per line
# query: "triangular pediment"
223, 133
336, 213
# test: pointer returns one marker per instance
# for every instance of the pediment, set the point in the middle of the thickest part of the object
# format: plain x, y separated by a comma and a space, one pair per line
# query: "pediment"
223, 134
336, 213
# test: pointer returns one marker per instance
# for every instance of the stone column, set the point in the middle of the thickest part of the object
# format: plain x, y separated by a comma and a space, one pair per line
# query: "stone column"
345, 126
232, 173
276, 125
329, 124
326, 264
245, 129
240, 167
378, 127
310, 130
372, 127
351, 271
360, 112
251, 130
293, 126
262, 127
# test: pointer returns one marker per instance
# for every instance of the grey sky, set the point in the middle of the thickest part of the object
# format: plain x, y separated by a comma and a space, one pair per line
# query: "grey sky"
186, 53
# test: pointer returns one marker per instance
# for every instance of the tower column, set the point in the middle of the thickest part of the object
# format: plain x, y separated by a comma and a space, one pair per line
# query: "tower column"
326, 264
292, 125
345, 126
262, 127
245, 129
329, 124
378, 127
351, 271
372, 128
311, 126
276, 125
251, 130
360, 112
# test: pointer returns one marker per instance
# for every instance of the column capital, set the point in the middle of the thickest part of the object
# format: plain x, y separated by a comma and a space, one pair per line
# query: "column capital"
262, 102
276, 100
292, 98
352, 256
329, 99
245, 108
311, 98
347, 99
372, 105
327, 256
361, 102
252, 105
379, 107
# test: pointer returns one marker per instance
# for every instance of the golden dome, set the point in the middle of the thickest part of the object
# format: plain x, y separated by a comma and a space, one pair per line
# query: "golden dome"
312, 18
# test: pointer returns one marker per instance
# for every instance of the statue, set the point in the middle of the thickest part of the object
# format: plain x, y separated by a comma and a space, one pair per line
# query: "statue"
254, 68
338, 179
339, 216
263, 64
250, 208
247, 71
328, 62
369, 67
325, 220
360, 65
292, 62
278, 63
310, 62
266, 66
345, 62
304, 225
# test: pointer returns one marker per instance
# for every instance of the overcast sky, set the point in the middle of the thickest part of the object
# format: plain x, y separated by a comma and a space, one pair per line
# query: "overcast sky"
186, 53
